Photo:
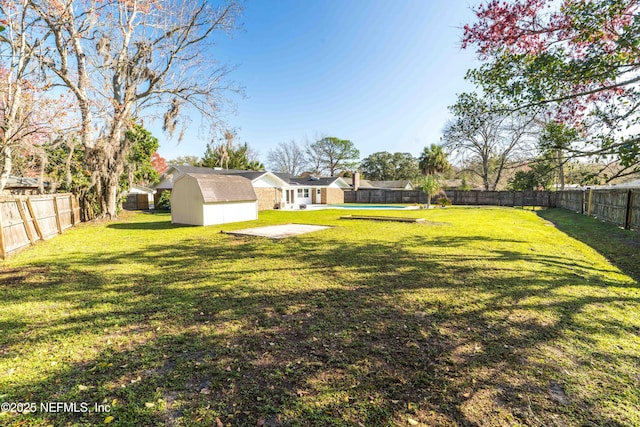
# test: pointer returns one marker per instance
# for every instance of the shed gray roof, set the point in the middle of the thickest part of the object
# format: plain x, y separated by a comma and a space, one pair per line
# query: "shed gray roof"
191, 169
251, 175
217, 171
224, 188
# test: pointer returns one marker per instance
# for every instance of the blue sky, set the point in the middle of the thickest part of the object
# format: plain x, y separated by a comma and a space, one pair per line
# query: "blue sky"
379, 73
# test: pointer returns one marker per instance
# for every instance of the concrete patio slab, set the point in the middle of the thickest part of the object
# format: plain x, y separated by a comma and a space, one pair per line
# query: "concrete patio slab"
278, 231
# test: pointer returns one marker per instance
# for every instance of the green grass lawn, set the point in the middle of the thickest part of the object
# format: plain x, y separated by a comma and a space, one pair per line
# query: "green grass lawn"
480, 316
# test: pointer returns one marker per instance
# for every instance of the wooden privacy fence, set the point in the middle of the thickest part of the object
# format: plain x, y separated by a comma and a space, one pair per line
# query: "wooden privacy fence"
617, 206
457, 197
24, 220
620, 206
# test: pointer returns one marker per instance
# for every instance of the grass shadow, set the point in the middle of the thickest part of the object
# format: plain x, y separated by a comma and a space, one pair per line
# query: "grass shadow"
358, 325
620, 247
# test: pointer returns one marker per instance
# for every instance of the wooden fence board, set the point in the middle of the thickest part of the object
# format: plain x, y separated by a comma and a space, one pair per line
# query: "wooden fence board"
65, 212
13, 227
24, 220
634, 217
44, 211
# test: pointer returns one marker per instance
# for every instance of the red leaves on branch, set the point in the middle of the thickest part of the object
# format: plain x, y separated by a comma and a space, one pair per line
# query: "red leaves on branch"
518, 26
159, 163
575, 53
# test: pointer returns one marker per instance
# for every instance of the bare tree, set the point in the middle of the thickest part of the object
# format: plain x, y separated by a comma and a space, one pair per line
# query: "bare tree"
288, 157
27, 114
313, 156
489, 136
124, 59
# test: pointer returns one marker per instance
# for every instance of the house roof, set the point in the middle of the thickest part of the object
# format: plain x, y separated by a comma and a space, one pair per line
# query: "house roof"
250, 175
630, 184
14, 181
401, 184
363, 182
188, 169
140, 189
387, 185
451, 183
312, 181
216, 188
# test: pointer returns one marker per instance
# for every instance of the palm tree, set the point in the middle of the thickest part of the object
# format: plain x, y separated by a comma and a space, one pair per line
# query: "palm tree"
433, 159
430, 185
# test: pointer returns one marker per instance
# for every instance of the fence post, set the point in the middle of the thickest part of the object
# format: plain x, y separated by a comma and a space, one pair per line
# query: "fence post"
23, 215
36, 225
73, 210
57, 211
627, 219
590, 202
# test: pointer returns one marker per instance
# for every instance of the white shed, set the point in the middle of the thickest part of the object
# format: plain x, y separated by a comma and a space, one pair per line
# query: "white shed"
207, 199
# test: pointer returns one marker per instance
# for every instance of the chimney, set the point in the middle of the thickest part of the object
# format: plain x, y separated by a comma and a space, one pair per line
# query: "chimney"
356, 181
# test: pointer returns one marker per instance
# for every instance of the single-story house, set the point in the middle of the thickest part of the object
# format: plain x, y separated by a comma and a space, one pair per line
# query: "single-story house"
312, 190
273, 190
207, 199
139, 197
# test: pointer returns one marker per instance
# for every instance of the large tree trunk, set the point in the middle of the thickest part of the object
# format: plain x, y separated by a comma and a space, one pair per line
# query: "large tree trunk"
109, 196
561, 170
106, 178
485, 173
109, 158
6, 167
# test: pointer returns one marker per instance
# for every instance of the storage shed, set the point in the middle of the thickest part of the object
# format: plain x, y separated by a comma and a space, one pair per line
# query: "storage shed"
206, 199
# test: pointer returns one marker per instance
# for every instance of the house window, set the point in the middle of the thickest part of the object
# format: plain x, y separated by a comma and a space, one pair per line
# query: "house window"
318, 192
303, 192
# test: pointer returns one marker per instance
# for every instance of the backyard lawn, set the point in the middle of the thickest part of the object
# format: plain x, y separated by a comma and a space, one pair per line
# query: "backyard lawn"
478, 316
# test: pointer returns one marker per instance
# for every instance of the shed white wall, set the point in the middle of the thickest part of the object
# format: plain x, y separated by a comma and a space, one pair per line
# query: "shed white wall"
222, 213
186, 202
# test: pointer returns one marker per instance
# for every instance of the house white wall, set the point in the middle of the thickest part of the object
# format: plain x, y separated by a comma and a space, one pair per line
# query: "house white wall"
304, 195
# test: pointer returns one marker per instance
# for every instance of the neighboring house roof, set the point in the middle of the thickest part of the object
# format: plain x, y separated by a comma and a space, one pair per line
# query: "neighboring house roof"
14, 181
382, 185
217, 188
363, 182
451, 183
140, 189
391, 185
629, 184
